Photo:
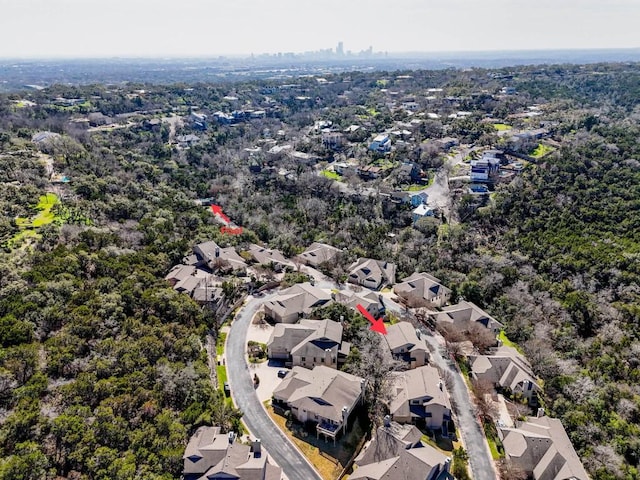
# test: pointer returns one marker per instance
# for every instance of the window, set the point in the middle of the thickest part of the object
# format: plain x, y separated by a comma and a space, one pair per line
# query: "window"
303, 359
322, 360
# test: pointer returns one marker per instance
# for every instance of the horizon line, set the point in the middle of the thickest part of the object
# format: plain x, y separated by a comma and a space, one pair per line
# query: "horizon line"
334, 56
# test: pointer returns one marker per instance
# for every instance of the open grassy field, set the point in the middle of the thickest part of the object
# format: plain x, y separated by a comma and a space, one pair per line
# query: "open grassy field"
331, 175
28, 226
501, 127
542, 150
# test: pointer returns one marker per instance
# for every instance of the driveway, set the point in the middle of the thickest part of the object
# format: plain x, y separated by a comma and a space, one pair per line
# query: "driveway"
285, 454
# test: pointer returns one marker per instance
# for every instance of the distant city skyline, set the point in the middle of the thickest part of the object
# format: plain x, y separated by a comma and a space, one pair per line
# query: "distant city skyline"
197, 28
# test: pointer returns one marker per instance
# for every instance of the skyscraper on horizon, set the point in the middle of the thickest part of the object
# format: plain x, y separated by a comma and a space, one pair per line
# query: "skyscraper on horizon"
340, 49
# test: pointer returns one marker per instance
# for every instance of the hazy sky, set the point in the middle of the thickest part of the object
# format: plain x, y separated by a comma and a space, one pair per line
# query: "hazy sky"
92, 28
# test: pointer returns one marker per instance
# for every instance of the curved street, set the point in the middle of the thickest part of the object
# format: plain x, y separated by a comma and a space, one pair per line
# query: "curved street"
293, 463
287, 456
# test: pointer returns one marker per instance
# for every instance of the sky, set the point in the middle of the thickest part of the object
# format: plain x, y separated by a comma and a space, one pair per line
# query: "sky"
170, 28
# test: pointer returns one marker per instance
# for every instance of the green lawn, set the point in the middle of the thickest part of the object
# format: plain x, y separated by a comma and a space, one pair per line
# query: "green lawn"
416, 187
508, 343
330, 175
542, 150
222, 376
501, 127
28, 226
45, 204
222, 337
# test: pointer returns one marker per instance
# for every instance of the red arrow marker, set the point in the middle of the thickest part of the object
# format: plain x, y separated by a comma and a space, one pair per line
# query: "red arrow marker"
376, 325
217, 210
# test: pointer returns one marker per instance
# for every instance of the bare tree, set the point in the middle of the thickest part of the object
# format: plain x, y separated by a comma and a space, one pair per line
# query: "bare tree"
510, 471
375, 366
483, 391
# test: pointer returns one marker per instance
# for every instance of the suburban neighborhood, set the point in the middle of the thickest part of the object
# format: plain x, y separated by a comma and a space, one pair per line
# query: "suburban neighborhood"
304, 378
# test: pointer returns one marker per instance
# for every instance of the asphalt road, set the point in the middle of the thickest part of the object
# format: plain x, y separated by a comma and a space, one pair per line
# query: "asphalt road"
286, 455
475, 443
480, 461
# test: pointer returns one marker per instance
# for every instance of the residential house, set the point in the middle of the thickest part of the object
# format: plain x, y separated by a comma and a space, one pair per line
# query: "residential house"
304, 158
485, 168
400, 197
198, 120
308, 344
397, 452
369, 172
293, 303
97, 119
420, 397
381, 144
208, 294
332, 140
422, 290
42, 138
508, 369
374, 274
447, 143
421, 211
324, 395
213, 455
268, 257
342, 168
212, 256
179, 273
467, 312
541, 447
370, 301
409, 172
418, 198
319, 253
405, 344
186, 141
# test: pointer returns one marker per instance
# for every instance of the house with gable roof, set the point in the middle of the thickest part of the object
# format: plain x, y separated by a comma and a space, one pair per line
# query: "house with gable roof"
266, 256
292, 303
324, 395
212, 256
397, 452
406, 344
374, 274
541, 447
467, 312
318, 253
420, 397
422, 290
308, 344
371, 301
212, 455
508, 369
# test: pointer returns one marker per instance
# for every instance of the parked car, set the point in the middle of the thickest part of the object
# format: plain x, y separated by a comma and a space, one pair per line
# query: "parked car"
282, 373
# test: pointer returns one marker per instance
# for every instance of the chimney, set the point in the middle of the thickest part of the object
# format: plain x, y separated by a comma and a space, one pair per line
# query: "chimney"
540, 412
256, 446
440, 385
387, 421
217, 252
232, 437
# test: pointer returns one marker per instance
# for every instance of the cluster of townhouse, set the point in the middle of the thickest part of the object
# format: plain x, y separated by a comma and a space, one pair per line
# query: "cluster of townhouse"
317, 392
